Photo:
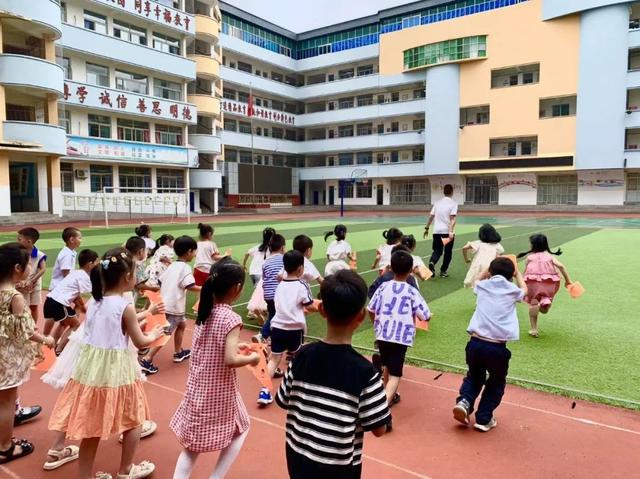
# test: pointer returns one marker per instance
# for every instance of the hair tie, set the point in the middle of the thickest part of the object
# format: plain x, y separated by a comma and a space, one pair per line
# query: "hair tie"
105, 264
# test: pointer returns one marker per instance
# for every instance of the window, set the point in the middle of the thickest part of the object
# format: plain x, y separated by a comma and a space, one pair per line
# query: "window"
169, 135
168, 90
346, 190
64, 120
412, 21
527, 147
132, 82
101, 177
345, 103
277, 77
134, 179
395, 126
558, 190
419, 94
344, 131
418, 124
97, 75
344, 74
166, 44
405, 192
395, 157
230, 125
527, 78
99, 126
244, 97
277, 133
66, 67
512, 148
63, 11
418, 155
244, 127
365, 70
395, 96
364, 190
345, 159
560, 110
365, 100
95, 22
131, 130
169, 180
364, 158
20, 112
229, 94
515, 76
245, 157
446, 51
365, 129
66, 177
482, 118
129, 33
244, 67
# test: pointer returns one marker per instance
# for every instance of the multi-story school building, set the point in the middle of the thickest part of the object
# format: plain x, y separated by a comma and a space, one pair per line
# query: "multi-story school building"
514, 102
109, 104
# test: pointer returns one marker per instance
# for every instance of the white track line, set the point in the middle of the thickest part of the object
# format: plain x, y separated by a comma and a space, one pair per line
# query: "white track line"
9, 473
280, 427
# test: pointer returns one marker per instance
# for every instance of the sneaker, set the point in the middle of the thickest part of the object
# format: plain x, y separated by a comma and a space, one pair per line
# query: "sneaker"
534, 333
264, 398
486, 427
377, 362
181, 356
148, 367
394, 400
444, 274
461, 412
258, 338
24, 414
432, 268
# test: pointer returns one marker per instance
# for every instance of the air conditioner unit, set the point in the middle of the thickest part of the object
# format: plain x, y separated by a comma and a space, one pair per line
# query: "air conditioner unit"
81, 174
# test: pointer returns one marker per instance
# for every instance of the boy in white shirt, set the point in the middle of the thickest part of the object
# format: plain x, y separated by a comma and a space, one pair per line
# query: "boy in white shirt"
289, 323
31, 288
494, 322
395, 307
304, 245
61, 303
66, 260
174, 284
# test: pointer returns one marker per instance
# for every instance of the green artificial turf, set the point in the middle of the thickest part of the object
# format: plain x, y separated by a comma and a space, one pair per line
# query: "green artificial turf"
587, 347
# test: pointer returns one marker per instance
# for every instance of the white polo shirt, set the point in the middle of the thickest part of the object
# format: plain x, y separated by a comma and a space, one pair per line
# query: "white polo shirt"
442, 212
292, 295
66, 260
173, 287
76, 283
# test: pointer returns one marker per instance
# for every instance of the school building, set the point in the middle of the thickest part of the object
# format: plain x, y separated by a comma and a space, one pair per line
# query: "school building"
514, 102
109, 104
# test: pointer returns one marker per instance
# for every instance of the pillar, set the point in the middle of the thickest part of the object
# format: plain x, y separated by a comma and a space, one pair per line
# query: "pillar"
3, 108
43, 179
5, 190
55, 188
215, 200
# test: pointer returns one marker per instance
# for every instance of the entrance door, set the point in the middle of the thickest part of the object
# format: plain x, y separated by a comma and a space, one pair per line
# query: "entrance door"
379, 195
332, 195
316, 197
23, 180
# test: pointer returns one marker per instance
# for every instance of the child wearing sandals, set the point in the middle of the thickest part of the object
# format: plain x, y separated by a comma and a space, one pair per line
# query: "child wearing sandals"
485, 249
105, 396
17, 350
542, 277
212, 415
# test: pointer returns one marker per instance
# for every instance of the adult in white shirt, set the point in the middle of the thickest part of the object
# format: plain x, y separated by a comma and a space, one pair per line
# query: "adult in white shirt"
443, 216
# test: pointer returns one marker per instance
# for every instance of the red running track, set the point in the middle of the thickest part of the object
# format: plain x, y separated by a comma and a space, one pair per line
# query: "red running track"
539, 435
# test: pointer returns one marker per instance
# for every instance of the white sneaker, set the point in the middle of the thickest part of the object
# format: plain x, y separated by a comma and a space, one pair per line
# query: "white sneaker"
461, 412
486, 427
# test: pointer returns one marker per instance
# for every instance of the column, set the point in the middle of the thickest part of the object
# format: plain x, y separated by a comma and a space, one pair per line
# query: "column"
5, 190
215, 200
43, 184
187, 186
55, 190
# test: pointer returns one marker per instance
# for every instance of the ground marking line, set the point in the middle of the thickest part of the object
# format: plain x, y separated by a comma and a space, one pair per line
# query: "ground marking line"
531, 408
278, 426
10, 473
361, 273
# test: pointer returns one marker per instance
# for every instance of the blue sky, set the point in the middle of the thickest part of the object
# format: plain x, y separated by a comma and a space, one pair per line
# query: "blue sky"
302, 15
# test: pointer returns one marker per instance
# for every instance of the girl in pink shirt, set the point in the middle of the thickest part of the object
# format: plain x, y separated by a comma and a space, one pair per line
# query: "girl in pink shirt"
542, 277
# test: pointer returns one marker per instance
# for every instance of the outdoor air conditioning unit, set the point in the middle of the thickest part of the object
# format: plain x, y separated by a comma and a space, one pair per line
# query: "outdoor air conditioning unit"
81, 174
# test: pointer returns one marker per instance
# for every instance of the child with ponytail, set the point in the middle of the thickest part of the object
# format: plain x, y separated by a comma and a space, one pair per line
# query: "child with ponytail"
105, 396
212, 415
383, 254
161, 259
338, 251
206, 255
542, 277
144, 231
419, 268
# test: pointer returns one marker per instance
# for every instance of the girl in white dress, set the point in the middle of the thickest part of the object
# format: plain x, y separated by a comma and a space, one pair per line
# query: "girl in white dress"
339, 251
484, 250
383, 253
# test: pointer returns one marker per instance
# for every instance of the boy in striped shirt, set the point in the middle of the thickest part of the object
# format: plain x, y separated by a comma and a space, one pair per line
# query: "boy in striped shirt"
331, 393
271, 276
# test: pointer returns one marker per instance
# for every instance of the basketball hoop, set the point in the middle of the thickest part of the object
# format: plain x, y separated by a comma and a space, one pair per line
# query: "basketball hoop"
358, 176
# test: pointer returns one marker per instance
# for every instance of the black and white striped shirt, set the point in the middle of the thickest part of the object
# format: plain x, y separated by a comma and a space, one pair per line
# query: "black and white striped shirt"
332, 395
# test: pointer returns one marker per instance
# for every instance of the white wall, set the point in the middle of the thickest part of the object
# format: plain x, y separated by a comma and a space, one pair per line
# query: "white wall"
601, 187
437, 187
517, 189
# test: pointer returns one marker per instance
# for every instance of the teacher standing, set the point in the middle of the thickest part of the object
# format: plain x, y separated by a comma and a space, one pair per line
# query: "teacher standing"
443, 215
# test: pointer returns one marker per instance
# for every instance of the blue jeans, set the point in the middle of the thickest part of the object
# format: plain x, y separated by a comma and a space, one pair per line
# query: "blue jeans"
266, 327
485, 357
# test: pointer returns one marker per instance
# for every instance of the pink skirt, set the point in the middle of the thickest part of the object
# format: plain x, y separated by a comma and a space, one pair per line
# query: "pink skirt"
541, 292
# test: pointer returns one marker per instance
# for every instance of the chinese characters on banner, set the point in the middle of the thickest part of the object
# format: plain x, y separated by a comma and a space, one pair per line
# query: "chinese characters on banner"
155, 11
127, 102
261, 113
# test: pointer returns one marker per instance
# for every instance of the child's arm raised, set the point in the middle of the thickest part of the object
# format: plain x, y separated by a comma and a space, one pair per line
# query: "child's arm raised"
563, 271
233, 358
131, 327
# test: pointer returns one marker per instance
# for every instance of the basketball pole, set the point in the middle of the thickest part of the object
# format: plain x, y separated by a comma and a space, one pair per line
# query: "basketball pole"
341, 198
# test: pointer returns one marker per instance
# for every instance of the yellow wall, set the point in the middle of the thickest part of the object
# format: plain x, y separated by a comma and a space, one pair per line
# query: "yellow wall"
516, 35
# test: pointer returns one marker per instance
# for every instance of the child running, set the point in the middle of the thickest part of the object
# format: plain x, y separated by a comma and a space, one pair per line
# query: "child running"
493, 323
16, 348
207, 254
66, 260
105, 396
144, 232
331, 393
258, 255
484, 250
31, 288
212, 415
174, 284
162, 258
289, 323
419, 268
395, 307
270, 279
542, 276
304, 245
138, 249
338, 251
383, 253
388, 275
61, 303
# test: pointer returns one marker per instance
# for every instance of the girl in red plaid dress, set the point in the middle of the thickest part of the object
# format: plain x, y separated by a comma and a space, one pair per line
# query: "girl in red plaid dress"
212, 416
